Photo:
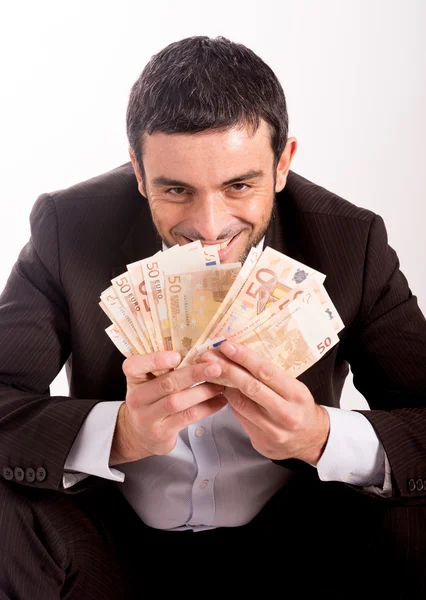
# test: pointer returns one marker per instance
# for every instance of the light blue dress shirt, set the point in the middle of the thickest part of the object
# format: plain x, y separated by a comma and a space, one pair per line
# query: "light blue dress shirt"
214, 477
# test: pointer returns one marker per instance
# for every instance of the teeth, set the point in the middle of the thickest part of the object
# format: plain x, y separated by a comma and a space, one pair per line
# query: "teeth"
221, 245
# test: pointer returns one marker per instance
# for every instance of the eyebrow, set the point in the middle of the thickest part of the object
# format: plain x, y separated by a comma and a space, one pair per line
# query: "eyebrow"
175, 183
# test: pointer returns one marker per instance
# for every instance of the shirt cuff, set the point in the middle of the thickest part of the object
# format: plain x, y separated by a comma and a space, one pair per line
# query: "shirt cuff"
91, 450
386, 490
354, 453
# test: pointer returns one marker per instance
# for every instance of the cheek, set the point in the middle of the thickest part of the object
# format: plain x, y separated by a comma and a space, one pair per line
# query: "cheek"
257, 211
165, 216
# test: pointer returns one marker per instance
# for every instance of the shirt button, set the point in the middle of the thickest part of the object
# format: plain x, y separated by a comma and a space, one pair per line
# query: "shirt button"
200, 431
204, 484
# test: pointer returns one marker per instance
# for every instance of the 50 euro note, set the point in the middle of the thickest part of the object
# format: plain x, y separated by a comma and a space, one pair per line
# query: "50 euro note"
124, 289
272, 278
312, 286
192, 300
127, 304
137, 278
144, 293
120, 341
192, 256
295, 338
239, 281
117, 313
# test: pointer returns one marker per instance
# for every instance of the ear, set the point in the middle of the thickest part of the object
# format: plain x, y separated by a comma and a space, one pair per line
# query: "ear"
141, 185
284, 163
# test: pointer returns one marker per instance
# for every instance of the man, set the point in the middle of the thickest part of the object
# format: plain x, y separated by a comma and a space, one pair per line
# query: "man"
249, 454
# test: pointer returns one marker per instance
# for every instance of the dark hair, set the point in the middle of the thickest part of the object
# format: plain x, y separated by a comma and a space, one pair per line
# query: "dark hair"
201, 83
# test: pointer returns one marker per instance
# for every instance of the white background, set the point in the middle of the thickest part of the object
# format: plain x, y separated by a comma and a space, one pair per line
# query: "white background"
354, 74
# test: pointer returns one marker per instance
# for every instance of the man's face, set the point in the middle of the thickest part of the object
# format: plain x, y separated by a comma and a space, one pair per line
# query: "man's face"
214, 186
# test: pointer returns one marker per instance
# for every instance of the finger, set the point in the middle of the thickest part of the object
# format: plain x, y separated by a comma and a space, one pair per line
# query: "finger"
185, 400
180, 379
235, 376
137, 368
196, 413
263, 370
245, 407
251, 429
225, 364
264, 434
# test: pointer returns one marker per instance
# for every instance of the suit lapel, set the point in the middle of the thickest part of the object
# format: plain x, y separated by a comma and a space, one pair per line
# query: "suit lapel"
282, 231
142, 240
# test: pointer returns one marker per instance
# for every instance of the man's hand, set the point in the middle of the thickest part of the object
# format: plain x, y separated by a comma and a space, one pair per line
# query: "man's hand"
158, 408
276, 411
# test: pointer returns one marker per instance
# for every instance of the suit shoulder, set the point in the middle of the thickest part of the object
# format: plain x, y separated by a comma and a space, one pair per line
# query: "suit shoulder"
105, 206
111, 197
310, 198
117, 185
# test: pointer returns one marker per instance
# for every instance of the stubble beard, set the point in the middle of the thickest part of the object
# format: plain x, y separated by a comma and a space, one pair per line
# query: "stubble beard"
252, 243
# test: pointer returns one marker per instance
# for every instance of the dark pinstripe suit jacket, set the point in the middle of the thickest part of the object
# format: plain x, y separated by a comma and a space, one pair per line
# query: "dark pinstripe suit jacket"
84, 235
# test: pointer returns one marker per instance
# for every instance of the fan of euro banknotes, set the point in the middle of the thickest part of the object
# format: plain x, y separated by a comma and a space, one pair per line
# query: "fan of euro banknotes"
185, 299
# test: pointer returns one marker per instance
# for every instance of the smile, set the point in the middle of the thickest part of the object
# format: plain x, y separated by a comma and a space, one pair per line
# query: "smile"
221, 245
224, 247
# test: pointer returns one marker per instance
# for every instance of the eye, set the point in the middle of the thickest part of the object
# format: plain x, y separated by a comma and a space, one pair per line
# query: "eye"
176, 191
240, 187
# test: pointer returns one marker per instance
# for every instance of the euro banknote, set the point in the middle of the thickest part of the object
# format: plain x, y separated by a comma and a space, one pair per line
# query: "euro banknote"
185, 299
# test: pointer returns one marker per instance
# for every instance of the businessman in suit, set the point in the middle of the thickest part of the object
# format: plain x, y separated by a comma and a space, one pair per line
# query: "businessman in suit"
129, 461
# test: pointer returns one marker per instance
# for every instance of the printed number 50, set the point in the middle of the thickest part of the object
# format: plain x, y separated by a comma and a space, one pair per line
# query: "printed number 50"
323, 345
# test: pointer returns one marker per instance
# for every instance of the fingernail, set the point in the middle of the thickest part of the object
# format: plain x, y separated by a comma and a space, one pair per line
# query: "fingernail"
212, 370
173, 359
229, 348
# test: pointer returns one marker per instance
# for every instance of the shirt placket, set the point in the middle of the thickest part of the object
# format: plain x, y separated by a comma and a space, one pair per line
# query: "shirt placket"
206, 456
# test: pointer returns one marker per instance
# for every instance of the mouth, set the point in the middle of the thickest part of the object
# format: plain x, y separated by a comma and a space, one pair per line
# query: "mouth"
224, 246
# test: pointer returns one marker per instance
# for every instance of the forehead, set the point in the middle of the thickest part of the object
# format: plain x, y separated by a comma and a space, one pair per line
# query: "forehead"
212, 152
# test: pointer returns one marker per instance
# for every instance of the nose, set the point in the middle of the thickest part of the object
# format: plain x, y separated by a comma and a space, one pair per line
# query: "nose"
210, 216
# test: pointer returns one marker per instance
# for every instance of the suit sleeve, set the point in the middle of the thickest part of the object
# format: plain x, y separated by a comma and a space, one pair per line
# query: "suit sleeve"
37, 430
386, 349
